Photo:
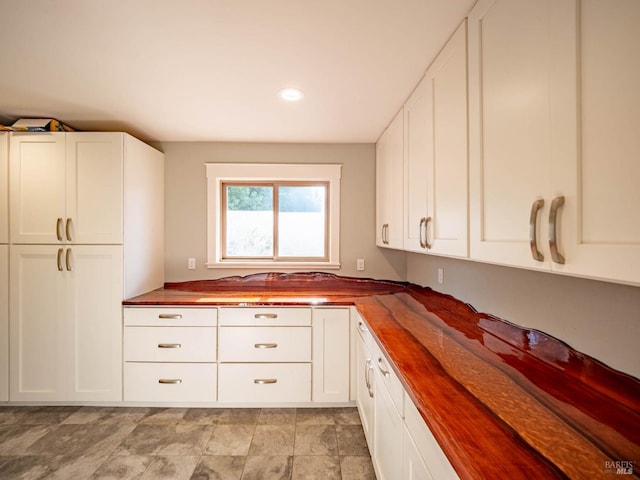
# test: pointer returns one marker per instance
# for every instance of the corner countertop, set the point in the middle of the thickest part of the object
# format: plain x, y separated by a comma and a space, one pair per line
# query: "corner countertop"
503, 401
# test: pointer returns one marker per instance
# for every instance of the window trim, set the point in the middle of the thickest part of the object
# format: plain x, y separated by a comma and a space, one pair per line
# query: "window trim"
219, 173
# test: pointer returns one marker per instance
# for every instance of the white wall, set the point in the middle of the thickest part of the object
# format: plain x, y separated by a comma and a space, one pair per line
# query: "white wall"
185, 204
598, 318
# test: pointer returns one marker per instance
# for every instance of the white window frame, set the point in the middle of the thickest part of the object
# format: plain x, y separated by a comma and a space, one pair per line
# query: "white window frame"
217, 173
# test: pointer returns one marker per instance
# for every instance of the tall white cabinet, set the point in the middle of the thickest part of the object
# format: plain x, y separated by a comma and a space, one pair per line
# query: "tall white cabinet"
4, 268
553, 153
435, 155
86, 231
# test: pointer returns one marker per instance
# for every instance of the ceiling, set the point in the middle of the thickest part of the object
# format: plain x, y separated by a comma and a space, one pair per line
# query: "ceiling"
210, 70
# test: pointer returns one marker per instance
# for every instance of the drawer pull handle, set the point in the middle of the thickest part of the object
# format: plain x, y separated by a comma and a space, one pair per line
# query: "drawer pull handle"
362, 327
266, 315
170, 381
170, 315
266, 345
382, 370
169, 345
265, 381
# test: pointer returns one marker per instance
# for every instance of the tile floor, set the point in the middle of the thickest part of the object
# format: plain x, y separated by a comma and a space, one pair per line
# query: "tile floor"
182, 443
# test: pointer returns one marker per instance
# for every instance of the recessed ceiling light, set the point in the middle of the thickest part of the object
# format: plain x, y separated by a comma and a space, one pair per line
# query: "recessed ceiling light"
291, 94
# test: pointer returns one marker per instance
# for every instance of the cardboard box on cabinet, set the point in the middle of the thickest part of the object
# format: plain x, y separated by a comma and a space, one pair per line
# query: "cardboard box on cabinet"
40, 125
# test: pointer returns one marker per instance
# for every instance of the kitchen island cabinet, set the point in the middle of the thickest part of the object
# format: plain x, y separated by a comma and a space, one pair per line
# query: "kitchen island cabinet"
500, 401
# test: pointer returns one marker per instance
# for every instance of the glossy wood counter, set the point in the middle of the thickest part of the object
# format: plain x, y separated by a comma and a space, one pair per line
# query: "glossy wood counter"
504, 402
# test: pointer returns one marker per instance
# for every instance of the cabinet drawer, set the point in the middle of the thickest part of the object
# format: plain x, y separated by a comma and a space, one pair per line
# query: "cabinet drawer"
363, 331
267, 316
428, 448
388, 378
170, 344
170, 382
265, 344
265, 382
169, 316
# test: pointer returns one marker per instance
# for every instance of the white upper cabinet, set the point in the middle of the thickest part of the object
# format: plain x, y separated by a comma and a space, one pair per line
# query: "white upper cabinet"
600, 224
4, 187
435, 155
389, 180
552, 104
66, 188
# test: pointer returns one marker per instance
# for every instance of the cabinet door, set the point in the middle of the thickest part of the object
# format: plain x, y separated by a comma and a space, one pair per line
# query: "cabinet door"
447, 185
330, 355
413, 467
94, 195
36, 323
387, 437
521, 93
4, 323
600, 228
389, 185
418, 163
94, 323
364, 389
4, 187
37, 187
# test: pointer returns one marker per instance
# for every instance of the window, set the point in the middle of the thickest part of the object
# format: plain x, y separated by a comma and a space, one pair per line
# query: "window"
266, 214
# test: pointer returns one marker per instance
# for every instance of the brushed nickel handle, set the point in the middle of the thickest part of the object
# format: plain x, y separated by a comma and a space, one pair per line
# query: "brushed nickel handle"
382, 370
59, 259
426, 234
169, 315
265, 381
67, 229
67, 259
362, 327
533, 230
59, 229
420, 229
368, 377
170, 381
266, 315
556, 256
266, 345
385, 238
169, 345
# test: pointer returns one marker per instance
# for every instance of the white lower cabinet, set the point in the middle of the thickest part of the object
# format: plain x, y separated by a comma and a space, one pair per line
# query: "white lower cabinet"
413, 467
170, 354
331, 346
65, 323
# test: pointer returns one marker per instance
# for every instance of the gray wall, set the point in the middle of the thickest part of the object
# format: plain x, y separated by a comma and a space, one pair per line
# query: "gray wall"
599, 318
185, 206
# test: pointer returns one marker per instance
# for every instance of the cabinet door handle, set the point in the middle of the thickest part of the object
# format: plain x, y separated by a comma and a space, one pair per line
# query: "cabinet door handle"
169, 315
533, 230
59, 260
265, 381
67, 229
169, 345
67, 259
556, 256
59, 229
266, 315
386, 234
382, 370
420, 230
367, 377
426, 233
170, 381
266, 345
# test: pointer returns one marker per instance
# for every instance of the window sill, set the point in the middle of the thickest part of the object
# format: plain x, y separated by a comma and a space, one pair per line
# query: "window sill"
276, 265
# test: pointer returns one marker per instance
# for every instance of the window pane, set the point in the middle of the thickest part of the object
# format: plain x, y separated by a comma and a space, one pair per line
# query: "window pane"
301, 221
249, 221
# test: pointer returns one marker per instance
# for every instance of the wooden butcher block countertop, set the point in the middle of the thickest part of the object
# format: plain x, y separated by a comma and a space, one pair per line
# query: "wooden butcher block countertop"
504, 402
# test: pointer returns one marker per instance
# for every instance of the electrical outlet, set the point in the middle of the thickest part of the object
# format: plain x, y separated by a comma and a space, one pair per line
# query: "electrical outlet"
191, 263
440, 276
360, 264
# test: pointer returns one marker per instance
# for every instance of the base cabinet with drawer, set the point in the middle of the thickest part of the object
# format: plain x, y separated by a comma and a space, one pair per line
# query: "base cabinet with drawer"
170, 354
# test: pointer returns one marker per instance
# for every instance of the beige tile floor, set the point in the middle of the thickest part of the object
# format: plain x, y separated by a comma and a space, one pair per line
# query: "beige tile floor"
182, 443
